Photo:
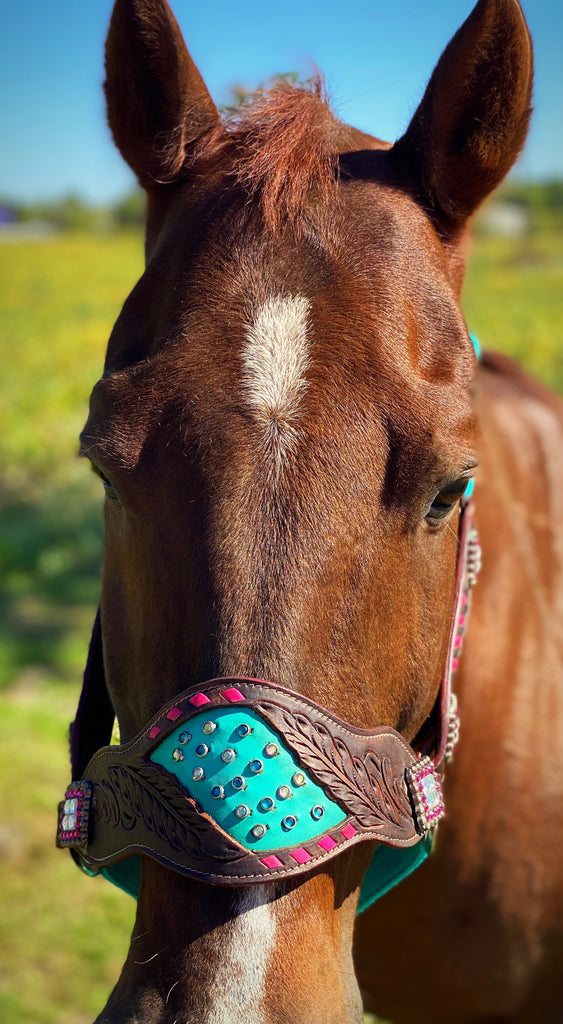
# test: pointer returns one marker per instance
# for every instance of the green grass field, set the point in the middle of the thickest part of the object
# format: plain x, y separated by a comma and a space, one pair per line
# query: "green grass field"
63, 937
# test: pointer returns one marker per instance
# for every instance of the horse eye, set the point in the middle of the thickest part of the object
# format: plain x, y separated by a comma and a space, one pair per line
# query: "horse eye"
109, 489
445, 501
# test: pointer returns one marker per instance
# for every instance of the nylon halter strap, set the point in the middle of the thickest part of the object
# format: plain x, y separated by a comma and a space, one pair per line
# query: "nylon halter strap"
241, 780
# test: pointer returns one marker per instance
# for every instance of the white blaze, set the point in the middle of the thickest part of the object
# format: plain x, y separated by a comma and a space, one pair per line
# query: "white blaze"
245, 952
275, 360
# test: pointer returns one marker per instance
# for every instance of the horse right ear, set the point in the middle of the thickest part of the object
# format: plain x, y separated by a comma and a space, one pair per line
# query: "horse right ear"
473, 119
158, 106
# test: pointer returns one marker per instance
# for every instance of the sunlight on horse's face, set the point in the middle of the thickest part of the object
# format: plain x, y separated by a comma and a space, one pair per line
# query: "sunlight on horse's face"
285, 426
277, 417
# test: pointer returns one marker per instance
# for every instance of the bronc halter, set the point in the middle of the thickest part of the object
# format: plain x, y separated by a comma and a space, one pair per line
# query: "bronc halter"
239, 781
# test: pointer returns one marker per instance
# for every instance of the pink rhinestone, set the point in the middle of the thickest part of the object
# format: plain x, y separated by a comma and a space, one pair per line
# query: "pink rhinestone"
461, 620
272, 861
233, 695
300, 855
348, 831
327, 843
464, 600
154, 732
457, 642
173, 714
454, 664
198, 699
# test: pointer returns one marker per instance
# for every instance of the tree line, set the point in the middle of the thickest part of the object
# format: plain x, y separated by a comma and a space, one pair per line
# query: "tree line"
543, 201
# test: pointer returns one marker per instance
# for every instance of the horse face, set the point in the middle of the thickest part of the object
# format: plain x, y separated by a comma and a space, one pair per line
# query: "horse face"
284, 426
276, 459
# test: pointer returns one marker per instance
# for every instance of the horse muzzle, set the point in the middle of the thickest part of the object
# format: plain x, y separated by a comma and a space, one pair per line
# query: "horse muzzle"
238, 781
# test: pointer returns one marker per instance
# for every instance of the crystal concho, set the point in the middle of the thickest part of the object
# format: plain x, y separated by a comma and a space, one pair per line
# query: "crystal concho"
241, 780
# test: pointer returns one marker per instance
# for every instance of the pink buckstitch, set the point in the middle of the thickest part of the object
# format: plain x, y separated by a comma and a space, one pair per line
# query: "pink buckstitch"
198, 699
327, 843
301, 855
348, 831
272, 861
233, 695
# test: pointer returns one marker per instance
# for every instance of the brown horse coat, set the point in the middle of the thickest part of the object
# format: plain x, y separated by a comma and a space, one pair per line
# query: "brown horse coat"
483, 915
285, 425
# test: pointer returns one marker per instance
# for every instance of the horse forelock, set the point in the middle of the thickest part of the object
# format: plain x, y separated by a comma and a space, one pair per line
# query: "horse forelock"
281, 149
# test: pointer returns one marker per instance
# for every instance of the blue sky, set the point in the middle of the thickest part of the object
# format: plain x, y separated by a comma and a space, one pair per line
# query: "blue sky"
376, 56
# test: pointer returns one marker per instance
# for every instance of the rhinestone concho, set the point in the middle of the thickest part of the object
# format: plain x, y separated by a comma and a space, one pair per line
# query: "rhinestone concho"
426, 794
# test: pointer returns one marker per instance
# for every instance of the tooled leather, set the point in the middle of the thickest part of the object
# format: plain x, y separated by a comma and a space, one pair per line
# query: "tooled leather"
139, 807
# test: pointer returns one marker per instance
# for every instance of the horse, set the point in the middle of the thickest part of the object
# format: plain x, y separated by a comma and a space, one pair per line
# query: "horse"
287, 423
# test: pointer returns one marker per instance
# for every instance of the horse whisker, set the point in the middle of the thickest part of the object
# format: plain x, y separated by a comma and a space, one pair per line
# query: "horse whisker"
173, 986
140, 963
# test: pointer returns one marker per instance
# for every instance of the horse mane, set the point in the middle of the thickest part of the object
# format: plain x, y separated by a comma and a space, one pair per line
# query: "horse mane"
279, 143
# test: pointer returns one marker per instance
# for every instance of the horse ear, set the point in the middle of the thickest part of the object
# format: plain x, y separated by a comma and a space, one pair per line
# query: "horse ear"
473, 119
158, 106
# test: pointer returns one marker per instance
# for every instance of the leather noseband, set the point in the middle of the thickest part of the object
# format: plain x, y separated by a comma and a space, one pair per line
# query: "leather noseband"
241, 780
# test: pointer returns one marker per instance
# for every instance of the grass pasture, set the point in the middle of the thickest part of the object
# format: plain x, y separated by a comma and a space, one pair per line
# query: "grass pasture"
63, 937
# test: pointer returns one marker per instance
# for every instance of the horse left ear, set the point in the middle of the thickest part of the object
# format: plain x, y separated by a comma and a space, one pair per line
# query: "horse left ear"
157, 103
473, 119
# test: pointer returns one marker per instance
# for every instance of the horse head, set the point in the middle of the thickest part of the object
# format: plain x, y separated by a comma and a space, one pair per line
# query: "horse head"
284, 429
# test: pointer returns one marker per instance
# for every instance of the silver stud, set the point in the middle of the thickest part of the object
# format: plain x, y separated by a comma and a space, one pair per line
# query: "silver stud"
284, 793
256, 766
198, 774
258, 831
267, 804
217, 792
184, 737
243, 730
271, 750
208, 727
242, 811
238, 783
298, 779
202, 750
228, 755
289, 822
317, 812
177, 754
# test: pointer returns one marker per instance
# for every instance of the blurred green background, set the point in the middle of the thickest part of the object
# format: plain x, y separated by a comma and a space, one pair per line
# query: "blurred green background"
64, 273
